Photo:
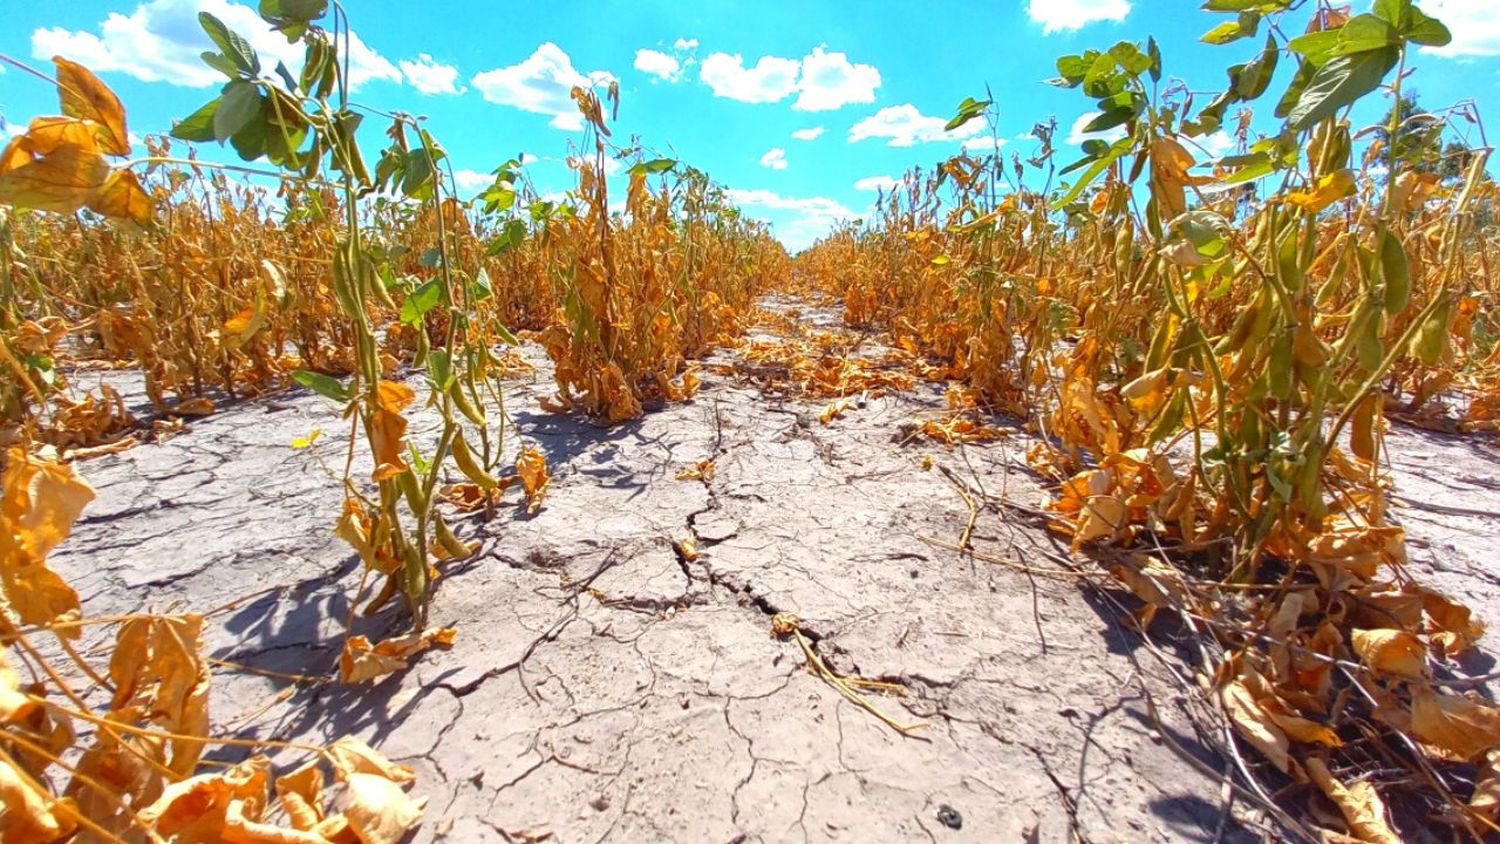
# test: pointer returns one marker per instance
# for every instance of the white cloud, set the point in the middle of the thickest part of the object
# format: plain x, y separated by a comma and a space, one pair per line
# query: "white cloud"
685, 44
873, 183
906, 126
1475, 25
983, 144
771, 78
809, 134
797, 221
1077, 136
822, 81
1217, 145
541, 85
429, 76
1066, 15
775, 158
829, 81
161, 42
10, 129
658, 64
471, 182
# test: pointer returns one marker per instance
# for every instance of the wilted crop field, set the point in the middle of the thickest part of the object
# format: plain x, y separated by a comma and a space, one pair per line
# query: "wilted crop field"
1147, 496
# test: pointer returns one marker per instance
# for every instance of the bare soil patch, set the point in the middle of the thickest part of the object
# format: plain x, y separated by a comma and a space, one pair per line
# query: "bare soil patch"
606, 686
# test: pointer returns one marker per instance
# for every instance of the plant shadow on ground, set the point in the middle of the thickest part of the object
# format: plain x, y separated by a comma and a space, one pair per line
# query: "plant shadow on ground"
1189, 815
299, 631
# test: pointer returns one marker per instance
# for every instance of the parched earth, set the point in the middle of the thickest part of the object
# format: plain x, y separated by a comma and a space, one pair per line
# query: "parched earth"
603, 687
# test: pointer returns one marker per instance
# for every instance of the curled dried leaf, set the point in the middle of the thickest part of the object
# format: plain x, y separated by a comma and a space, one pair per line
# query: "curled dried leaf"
1389, 651
531, 466
1359, 803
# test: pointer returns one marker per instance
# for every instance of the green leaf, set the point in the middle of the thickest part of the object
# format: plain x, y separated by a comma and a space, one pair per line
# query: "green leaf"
1130, 58
439, 369
1288, 101
324, 385
505, 335
1315, 45
218, 62
1260, 165
1397, 272
480, 288
499, 197
1110, 118
420, 301
301, 11
1364, 32
1426, 30
231, 44
418, 172
250, 141
1340, 82
286, 76
1394, 12
1246, 25
42, 365
1072, 69
1255, 76
240, 105
198, 126
1116, 150
656, 165
969, 109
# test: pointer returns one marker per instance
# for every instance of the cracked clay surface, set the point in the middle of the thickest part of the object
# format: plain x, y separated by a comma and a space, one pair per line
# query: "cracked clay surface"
605, 688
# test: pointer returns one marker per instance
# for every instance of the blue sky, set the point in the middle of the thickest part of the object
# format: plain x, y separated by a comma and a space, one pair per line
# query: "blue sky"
801, 108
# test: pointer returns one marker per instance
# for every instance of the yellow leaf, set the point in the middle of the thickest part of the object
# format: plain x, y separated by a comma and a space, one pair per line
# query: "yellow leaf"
1330, 189
1254, 723
1390, 651
54, 167
83, 96
388, 428
360, 661
122, 197
242, 326
300, 794
703, 470
239, 828
352, 755
1305, 730
31, 815
1359, 802
196, 809
379, 811
195, 406
1102, 516
1453, 626
307, 441
532, 467
39, 501
15, 706
1460, 726
1486, 799
180, 701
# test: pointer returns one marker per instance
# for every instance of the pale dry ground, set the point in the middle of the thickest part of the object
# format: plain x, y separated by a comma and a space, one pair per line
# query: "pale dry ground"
603, 689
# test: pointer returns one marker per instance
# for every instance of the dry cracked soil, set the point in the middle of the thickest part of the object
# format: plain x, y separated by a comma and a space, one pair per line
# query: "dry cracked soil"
605, 688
